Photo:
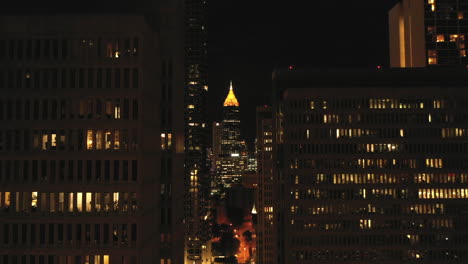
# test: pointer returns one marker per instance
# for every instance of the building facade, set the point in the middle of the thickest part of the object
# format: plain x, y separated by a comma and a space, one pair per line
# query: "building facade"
428, 33
266, 222
197, 174
371, 166
80, 146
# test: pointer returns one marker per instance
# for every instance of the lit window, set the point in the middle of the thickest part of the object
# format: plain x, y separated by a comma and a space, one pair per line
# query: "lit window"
70, 202
432, 53
107, 139
34, 200
79, 202
99, 139
463, 53
191, 106
365, 223
117, 112
88, 202
453, 37
89, 139
460, 15
163, 141
116, 139
440, 38
169, 141
431, 61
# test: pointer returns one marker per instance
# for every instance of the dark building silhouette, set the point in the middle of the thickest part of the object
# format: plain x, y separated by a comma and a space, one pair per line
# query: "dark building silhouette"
266, 204
88, 157
428, 32
370, 166
197, 174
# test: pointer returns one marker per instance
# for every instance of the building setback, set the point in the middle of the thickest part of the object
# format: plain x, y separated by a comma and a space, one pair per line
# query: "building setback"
371, 166
428, 32
80, 149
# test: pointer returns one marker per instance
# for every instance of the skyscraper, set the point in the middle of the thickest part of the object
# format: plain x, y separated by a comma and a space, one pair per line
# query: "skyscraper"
229, 150
432, 32
80, 147
265, 202
197, 176
371, 166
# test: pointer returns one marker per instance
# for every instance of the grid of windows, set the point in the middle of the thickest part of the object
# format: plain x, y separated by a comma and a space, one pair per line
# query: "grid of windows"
373, 178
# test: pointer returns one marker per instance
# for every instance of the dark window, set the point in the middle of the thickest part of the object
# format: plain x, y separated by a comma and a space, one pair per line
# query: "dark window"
90, 78
117, 78
47, 48
126, 78
99, 79
64, 48
135, 78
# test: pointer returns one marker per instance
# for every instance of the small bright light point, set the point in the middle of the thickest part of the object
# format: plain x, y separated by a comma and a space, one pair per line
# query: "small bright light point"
290, 67
379, 67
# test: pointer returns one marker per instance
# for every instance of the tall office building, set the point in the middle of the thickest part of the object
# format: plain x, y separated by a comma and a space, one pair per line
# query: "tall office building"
197, 175
80, 149
230, 152
428, 32
371, 166
266, 222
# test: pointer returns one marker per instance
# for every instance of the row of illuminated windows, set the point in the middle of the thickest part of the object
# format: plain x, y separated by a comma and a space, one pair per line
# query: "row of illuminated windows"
459, 38
347, 133
69, 109
348, 194
370, 103
379, 178
424, 208
68, 171
451, 193
61, 78
367, 256
78, 202
365, 239
362, 224
433, 163
375, 118
28, 234
69, 140
65, 49
339, 148
65, 259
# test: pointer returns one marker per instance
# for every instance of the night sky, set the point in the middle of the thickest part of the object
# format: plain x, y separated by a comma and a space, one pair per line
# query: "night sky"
248, 39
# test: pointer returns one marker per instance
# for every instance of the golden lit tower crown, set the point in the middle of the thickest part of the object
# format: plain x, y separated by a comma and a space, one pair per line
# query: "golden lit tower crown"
231, 99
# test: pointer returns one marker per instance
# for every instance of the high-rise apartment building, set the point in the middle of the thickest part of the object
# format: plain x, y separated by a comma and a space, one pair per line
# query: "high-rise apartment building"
197, 174
266, 222
428, 32
80, 145
371, 166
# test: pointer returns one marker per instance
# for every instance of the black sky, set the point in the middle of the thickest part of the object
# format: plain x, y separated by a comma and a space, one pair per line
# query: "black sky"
249, 38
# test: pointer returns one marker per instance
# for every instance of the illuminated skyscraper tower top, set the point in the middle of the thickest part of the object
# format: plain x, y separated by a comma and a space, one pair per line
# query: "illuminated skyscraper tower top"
231, 99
